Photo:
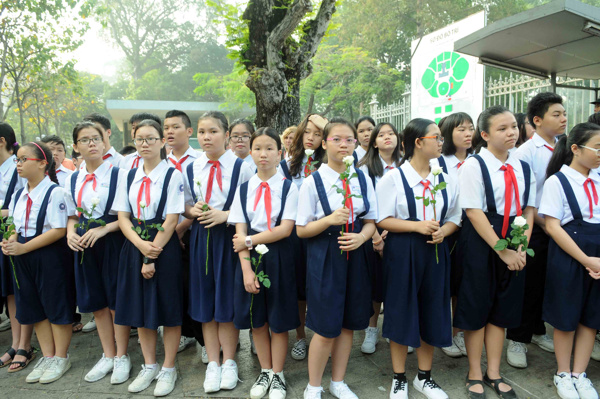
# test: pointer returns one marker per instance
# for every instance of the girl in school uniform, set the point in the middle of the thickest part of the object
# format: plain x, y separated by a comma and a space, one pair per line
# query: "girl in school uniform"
149, 284
364, 128
20, 353
212, 180
494, 188
338, 288
264, 212
44, 291
417, 286
96, 247
382, 156
297, 168
572, 211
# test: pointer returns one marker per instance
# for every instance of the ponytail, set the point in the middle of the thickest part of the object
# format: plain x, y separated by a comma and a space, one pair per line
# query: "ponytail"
563, 154
42, 151
415, 129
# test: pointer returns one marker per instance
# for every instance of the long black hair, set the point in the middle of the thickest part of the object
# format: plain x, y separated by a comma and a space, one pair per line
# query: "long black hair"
484, 123
41, 151
7, 132
415, 129
371, 158
296, 149
562, 154
158, 127
447, 126
521, 118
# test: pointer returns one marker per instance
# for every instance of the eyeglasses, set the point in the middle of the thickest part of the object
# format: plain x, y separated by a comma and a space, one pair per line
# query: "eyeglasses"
596, 150
243, 138
338, 140
86, 141
23, 160
439, 139
147, 140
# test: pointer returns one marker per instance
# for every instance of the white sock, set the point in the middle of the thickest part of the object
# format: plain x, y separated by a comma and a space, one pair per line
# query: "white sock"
151, 366
168, 369
335, 384
311, 388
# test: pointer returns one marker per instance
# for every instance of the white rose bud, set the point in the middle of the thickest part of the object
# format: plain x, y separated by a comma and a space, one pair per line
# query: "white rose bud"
1, 203
262, 249
520, 221
142, 204
95, 201
309, 152
348, 160
436, 170
198, 181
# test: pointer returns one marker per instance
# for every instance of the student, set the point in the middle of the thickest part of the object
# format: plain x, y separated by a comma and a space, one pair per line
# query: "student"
149, 285
297, 168
135, 160
383, 155
264, 212
241, 132
20, 352
128, 149
110, 154
364, 127
178, 130
596, 105
212, 180
417, 277
545, 111
96, 247
457, 130
572, 212
338, 287
57, 146
594, 118
490, 295
76, 158
526, 131
43, 262
287, 137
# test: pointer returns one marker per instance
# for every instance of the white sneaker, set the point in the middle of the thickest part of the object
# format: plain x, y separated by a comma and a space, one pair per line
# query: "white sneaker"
596, 350
103, 366
312, 393
299, 349
584, 387
410, 350
370, 342
341, 391
452, 350
89, 326
56, 368
38, 370
184, 342
399, 389
543, 341
144, 378
165, 382
278, 388
212, 378
229, 374
565, 386
459, 341
252, 347
5, 325
516, 354
133, 332
262, 384
429, 388
121, 370
204, 355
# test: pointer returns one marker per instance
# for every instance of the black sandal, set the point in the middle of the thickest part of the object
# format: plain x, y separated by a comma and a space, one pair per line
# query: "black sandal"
29, 356
495, 385
12, 353
471, 394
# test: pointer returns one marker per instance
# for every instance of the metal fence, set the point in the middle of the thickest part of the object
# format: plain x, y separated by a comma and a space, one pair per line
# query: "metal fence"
513, 91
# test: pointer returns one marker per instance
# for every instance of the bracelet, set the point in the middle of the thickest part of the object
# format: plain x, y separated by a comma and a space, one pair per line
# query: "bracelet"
363, 236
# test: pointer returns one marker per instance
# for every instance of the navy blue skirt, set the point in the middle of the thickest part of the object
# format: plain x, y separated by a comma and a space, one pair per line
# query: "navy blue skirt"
376, 268
150, 303
45, 279
96, 277
299, 253
338, 289
417, 291
488, 291
211, 295
277, 305
571, 295
7, 278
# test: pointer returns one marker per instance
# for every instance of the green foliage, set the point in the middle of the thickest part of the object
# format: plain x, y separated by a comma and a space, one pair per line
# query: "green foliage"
517, 240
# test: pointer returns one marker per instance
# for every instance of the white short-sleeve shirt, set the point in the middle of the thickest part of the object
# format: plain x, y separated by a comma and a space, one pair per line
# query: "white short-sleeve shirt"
393, 202
131, 161
7, 169
309, 205
56, 212
453, 164
174, 204
386, 169
62, 174
111, 156
298, 179
202, 171
554, 200
258, 217
190, 156
103, 176
472, 190
537, 153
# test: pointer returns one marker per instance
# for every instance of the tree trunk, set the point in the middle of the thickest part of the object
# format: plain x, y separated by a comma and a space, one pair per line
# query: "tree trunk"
20, 105
285, 115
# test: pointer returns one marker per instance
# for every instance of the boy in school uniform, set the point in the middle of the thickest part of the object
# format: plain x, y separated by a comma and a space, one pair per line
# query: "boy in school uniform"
57, 146
546, 112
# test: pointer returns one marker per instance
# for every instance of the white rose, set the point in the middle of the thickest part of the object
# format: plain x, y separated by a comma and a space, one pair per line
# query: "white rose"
436, 170
198, 181
142, 204
1, 203
348, 160
262, 249
309, 152
95, 201
520, 221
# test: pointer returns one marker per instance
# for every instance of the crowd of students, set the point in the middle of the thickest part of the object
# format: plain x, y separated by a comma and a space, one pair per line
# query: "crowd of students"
248, 234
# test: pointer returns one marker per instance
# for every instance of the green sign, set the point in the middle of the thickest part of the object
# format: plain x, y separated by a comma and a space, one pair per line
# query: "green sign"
445, 74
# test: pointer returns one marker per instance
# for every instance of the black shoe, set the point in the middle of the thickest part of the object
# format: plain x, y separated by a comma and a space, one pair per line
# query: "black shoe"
471, 394
494, 384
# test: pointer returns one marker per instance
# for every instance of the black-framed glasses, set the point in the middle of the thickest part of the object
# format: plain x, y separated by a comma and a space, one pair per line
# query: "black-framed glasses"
147, 140
244, 138
86, 140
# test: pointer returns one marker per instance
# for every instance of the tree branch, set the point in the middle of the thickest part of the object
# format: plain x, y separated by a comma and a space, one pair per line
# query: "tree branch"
284, 29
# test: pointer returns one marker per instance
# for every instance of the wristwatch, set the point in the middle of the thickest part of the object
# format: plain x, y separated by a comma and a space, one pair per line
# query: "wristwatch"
147, 261
249, 242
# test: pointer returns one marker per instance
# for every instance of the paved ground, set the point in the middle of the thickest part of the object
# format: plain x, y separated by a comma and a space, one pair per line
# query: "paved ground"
368, 375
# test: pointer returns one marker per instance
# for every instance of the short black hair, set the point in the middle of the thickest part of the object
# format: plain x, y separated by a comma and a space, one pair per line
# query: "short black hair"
97, 118
184, 117
54, 139
538, 105
594, 118
128, 149
140, 116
